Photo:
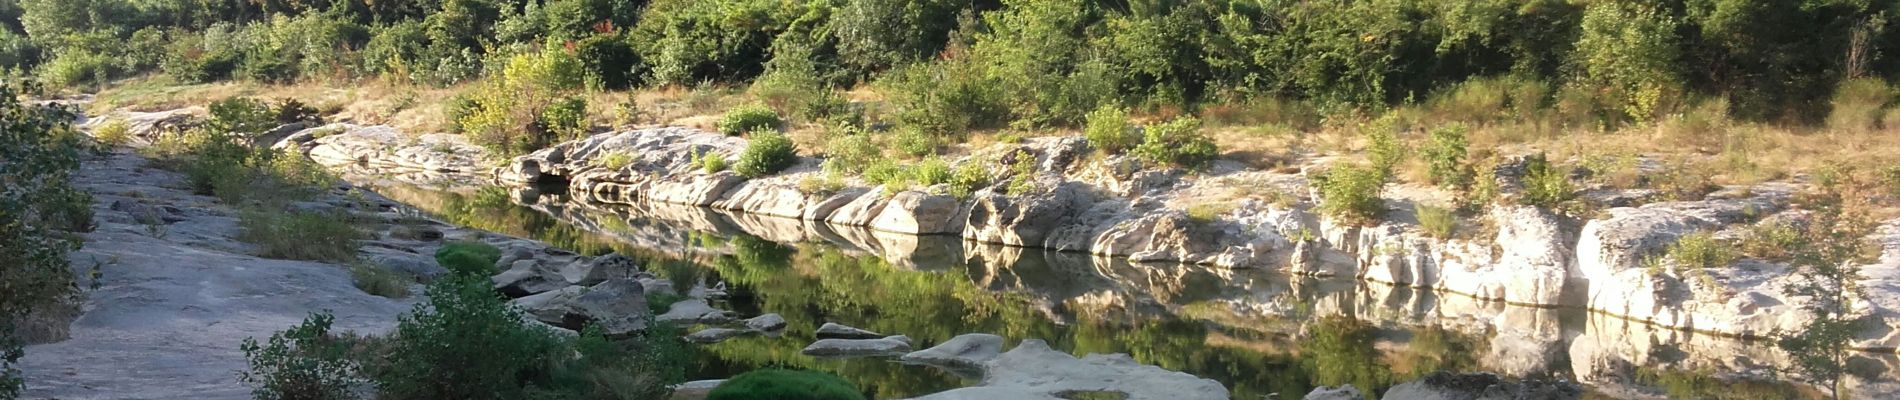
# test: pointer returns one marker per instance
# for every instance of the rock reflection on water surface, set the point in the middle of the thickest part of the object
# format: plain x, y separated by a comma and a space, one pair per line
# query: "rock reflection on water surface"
1259, 332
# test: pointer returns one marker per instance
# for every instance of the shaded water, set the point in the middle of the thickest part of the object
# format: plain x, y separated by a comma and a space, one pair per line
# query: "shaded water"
1263, 334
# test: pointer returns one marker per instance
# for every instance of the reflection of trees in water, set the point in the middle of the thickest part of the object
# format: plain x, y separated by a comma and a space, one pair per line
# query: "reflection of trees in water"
1006, 291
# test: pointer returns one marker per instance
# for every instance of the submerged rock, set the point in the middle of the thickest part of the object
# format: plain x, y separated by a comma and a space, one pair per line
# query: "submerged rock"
839, 331
1034, 371
715, 335
881, 347
962, 352
767, 322
1481, 386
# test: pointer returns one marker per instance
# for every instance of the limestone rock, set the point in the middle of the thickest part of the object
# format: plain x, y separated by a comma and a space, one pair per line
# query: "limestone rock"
527, 277
1034, 371
881, 347
961, 352
862, 210
1482, 386
767, 322
599, 269
839, 331
920, 213
1341, 392
1024, 220
618, 306
715, 335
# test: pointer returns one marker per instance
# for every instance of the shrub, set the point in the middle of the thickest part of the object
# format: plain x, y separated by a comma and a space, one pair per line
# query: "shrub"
914, 142
969, 177
946, 98
1177, 142
1772, 241
40, 207
1859, 104
1351, 192
468, 258
1546, 185
747, 119
304, 362
240, 115
851, 153
1108, 130
301, 235
768, 153
610, 61
1631, 50
778, 384
709, 161
1384, 149
378, 281
113, 133
78, 69
1439, 222
931, 171
566, 118
1446, 157
465, 342
1701, 250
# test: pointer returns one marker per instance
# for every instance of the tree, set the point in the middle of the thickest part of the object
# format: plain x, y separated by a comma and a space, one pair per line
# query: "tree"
1629, 50
38, 206
1826, 263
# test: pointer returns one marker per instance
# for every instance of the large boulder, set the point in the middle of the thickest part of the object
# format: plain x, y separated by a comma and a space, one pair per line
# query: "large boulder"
1171, 236
527, 277
588, 272
617, 306
767, 322
1024, 220
715, 335
1034, 371
920, 213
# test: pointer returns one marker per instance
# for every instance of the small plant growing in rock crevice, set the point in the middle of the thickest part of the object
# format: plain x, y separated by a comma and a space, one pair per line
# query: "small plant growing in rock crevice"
304, 362
1108, 130
1546, 185
710, 162
378, 281
468, 258
1701, 250
1178, 142
1439, 222
113, 133
1445, 158
615, 160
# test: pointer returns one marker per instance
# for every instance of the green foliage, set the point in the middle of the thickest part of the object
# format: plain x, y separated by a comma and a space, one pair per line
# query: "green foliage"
1773, 241
1445, 157
305, 362
240, 115
969, 177
1546, 185
661, 302
768, 153
1632, 50
851, 152
946, 98
566, 118
301, 235
710, 162
465, 342
1859, 104
877, 34
113, 133
1351, 192
528, 106
468, 258
915, 142
688, 41
1439, 222
40, 205
1178, 142
614, 160
1383, 147
610, 60
1827, 260
1109, 132
746, 119
1701, 251
778, 384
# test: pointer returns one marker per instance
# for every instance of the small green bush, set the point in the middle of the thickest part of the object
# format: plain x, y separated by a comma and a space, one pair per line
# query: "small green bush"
301, 235
113, 133
778, 384
850, 153
749, 118
969, 177
566, 118
1351, 192
1439, 222
1546, 185
931, 171
1108, 130
1773, 241
915, 142
614, 160
1178, 142
768, 153
1384, 149
305, 362
468, 258
1701, 250
240, 115
465, 342
1446, 157
709, 161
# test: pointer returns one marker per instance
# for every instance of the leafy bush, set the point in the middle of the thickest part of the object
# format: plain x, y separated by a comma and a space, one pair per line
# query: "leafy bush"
301, 235
969, 177
305, 362
40, 204
610, 61
946, 98
464, 343
709, 162
851, 152
468, 258
1351, 192
614, 160
78, 69
113, 133
1108, 130
240, 115
1631, 49
1546, 185
778, 384
1445, 157
566, 118
1439, 222
1859, 104
768, 153
1177, 142
1774, 241
746, 119
1383, 148
915, 142
661, 302
1701, 250
931, 171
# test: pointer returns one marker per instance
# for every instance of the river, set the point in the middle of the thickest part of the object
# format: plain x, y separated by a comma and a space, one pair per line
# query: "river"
1263, 334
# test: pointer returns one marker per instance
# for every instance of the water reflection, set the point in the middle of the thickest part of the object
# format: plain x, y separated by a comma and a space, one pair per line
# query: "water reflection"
1260, 333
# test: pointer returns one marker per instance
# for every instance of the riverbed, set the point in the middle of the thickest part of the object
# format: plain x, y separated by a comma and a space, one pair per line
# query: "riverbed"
1263, 333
